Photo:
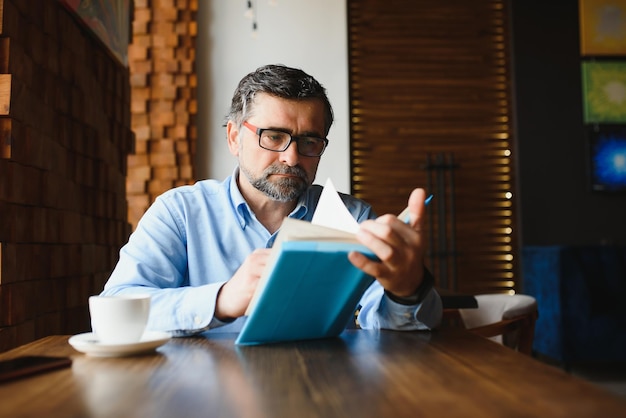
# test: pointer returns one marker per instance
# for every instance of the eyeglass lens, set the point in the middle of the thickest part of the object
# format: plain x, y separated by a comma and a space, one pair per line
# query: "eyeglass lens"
279, 141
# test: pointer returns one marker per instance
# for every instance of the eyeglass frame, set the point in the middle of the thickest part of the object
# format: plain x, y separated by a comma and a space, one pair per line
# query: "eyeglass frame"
292, 138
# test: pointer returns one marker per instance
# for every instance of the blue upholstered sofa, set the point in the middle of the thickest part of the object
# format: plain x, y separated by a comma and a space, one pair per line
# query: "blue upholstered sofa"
581, 293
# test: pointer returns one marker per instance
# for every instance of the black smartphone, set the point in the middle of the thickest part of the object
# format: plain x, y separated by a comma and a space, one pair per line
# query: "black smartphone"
28, 365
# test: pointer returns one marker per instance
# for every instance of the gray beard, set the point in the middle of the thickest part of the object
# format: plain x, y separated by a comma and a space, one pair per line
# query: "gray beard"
282, 190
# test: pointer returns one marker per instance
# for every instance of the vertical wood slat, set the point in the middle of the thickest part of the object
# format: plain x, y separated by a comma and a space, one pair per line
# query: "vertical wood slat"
427, 78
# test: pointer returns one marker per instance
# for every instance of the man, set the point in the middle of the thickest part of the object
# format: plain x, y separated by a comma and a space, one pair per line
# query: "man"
200, 250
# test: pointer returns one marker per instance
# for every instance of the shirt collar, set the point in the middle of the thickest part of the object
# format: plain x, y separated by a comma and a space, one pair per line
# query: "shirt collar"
301, 208
239, 203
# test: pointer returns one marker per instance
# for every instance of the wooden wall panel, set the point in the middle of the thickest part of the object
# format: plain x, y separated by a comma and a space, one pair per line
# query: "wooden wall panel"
163, 107
64, 136
430, 99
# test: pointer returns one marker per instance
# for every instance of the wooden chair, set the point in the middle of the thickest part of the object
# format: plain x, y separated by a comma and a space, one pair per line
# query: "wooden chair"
506, 319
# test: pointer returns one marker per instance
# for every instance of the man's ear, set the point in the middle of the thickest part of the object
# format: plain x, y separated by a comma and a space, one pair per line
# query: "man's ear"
232, 134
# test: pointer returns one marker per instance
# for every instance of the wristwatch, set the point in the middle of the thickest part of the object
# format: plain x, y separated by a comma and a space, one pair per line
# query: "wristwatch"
427, 283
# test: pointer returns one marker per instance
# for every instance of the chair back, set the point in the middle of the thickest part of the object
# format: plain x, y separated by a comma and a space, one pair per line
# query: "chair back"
506, 319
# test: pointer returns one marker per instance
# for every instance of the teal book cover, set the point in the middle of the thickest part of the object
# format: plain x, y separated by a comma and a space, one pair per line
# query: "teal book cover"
310, 289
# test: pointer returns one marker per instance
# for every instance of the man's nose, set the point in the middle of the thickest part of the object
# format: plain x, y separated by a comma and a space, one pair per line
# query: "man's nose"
290, 156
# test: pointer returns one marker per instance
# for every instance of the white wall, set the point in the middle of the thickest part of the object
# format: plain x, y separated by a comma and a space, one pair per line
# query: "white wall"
307, 34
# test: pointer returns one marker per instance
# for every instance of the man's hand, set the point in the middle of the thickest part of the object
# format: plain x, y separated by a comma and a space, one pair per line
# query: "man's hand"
234, 297
399, 247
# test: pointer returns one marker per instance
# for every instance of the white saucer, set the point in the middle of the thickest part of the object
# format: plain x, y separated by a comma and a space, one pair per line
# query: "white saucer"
88, 343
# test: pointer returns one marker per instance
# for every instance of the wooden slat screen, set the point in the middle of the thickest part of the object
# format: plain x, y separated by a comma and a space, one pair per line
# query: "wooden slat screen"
429, 86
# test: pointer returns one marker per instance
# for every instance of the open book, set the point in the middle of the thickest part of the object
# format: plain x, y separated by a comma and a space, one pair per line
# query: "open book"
309, 289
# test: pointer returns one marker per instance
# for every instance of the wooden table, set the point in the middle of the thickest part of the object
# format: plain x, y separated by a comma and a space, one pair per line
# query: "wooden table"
447, 373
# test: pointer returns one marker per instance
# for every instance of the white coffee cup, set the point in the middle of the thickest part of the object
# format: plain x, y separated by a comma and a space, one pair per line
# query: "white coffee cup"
119, 319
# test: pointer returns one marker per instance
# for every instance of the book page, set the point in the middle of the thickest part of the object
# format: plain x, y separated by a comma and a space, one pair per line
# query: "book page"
331, 211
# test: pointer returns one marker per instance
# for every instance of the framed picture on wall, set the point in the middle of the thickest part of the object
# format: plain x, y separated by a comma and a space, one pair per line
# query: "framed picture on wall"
110, 20
607, 158
604, 91
602, 27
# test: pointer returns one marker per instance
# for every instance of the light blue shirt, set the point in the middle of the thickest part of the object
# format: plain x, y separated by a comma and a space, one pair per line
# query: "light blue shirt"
191, 241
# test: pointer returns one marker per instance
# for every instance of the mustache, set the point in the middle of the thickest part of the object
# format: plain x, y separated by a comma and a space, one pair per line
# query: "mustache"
285, 169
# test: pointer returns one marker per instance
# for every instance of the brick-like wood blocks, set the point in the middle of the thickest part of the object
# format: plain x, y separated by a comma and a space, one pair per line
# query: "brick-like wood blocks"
65, 134
163, 106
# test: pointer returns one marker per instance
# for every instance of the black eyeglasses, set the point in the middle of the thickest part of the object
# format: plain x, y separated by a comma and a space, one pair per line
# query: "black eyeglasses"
279, 141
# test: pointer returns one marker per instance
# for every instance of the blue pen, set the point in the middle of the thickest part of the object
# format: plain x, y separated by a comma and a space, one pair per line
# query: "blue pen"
405, 213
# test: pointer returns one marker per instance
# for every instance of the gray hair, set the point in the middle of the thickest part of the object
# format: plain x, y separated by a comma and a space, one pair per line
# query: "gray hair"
279, 81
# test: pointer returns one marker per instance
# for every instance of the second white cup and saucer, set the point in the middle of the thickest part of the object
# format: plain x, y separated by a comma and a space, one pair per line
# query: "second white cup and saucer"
119, 324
